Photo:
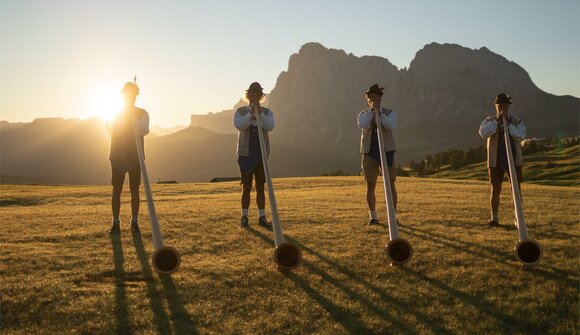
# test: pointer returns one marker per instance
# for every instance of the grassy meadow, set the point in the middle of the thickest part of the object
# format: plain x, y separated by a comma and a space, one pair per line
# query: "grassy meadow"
61, 272
557, 166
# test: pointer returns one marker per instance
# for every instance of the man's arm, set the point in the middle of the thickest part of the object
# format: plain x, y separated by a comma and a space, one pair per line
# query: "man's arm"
242, 122
517, 132
365, 119
142, 124
488, 127
388, 121
268, 122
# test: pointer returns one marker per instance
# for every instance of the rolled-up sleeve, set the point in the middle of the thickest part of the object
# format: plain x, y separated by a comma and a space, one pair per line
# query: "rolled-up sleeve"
517, 132
388, 120
488, 127
268, 121
365, 119
242, 122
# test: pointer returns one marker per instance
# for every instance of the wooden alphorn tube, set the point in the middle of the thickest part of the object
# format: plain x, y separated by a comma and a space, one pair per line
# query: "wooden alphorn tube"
528, 251
165, 259
286, 255
398, 249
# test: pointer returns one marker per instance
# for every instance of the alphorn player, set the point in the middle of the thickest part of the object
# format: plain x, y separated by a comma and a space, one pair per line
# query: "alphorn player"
492, 129
123, 155
248, 150
369, 147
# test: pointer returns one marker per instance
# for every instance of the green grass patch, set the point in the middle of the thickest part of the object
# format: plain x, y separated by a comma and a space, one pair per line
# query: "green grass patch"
555, 166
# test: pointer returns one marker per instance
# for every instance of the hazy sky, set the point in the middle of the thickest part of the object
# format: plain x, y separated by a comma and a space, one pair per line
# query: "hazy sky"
67, 58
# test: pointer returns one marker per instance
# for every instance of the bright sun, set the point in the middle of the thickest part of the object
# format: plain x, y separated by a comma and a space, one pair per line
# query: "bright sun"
105, 101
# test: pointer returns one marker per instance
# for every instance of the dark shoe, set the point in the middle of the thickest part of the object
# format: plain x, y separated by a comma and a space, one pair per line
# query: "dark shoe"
492, 223
262, 221
244, 221
373, 222
135, 227
115, 228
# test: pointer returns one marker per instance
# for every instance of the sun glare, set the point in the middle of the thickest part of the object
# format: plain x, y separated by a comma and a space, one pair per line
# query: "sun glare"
105, 101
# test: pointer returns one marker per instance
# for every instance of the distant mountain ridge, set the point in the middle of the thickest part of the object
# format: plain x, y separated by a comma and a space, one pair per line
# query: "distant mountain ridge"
440, 101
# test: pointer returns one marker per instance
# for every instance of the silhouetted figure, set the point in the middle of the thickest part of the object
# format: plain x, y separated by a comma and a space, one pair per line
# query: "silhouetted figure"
492, 129
123, 156
248, 150
369, 146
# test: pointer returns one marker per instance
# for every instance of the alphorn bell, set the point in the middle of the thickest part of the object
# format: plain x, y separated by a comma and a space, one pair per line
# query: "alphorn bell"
286, 255
398, 249
528, 251
165, 259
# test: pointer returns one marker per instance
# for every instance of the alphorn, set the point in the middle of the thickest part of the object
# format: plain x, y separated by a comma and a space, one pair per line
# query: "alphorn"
165, 259
286, 255
528, 251
398, 249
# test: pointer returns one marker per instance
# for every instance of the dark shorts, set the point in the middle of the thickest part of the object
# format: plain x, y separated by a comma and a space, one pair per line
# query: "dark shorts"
496, 175
372, 168
118, 175
258, 171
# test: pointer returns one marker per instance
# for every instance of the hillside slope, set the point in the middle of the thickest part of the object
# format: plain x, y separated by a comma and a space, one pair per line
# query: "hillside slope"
555, 166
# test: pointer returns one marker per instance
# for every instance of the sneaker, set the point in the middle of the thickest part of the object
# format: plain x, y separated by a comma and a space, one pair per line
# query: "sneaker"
373, 222
492, 223
244, 221
115, 228
135, 227
262, 221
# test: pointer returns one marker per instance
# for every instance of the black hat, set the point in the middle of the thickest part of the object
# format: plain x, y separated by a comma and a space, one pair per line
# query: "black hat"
375, 89
255, 87
503, 98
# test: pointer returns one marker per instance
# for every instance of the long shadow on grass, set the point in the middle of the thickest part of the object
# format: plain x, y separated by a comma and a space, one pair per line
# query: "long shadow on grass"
500, 256
182, 323
339, 314
122, 326
400, 304
509, 324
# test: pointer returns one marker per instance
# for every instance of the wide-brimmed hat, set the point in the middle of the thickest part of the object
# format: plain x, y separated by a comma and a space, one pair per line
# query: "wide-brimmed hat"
503, 98
255, 87
375, 89
130, 87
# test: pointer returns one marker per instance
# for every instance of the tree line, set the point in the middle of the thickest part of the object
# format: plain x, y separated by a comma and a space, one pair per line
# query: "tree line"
458, 158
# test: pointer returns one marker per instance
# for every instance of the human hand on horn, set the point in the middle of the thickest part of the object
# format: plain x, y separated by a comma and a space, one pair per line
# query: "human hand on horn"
501, 114
256, 107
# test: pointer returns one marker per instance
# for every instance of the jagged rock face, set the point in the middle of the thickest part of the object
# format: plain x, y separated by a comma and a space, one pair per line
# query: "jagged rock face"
440, 99
316, 101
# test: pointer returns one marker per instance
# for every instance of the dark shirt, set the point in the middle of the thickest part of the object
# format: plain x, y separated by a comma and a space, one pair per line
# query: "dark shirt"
502, 160
375, 151
123, 152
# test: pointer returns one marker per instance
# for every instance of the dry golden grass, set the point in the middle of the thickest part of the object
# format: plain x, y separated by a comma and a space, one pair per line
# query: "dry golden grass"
62, 273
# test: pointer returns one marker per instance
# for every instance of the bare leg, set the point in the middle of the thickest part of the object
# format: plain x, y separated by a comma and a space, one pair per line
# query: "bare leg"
116, 200
135, 200
246, 190
495, 195
260, 196
371, 199
394, 191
